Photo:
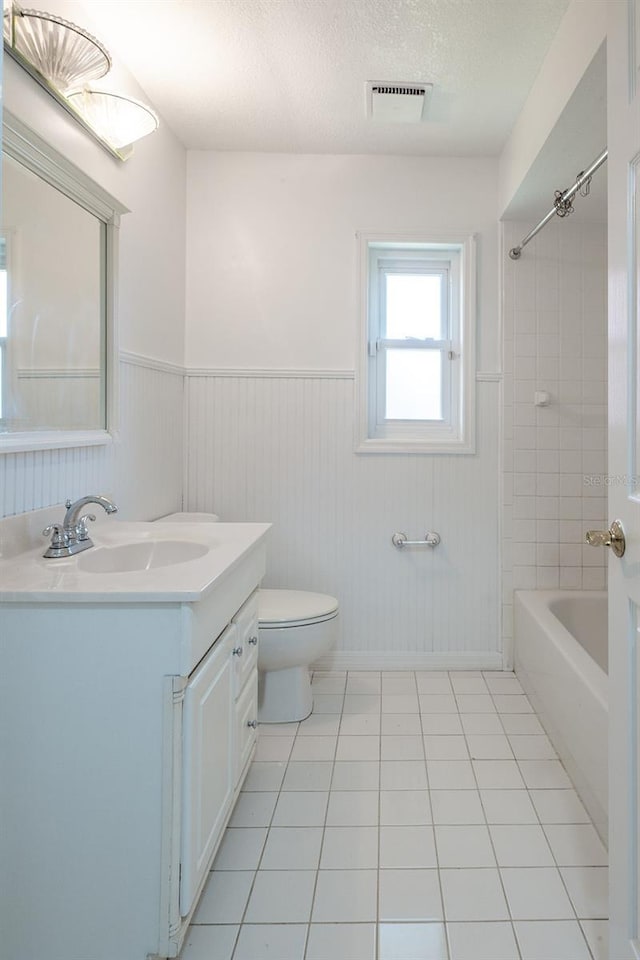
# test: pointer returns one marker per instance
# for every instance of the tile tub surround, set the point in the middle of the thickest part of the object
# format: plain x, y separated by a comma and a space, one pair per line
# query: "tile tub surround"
445, 831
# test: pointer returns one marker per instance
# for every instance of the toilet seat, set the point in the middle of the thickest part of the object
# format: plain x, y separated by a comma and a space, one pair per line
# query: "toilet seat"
280, 609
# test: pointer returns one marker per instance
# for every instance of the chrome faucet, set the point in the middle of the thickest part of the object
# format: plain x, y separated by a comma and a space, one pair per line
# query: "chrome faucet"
72, 536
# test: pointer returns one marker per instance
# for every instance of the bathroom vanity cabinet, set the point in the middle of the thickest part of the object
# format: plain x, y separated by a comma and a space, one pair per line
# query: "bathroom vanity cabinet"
131, 727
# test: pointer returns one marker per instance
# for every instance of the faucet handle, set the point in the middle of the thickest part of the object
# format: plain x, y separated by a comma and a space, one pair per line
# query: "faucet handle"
81, 527
59, 538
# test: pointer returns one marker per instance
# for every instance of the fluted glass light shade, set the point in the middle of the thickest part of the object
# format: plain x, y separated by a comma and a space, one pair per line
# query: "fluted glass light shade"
118, 120
65, 54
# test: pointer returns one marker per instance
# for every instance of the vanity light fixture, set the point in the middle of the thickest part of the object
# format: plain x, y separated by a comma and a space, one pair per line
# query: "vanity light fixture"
65, 60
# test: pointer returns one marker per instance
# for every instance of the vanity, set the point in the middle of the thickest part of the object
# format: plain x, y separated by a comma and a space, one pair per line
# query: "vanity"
129, 688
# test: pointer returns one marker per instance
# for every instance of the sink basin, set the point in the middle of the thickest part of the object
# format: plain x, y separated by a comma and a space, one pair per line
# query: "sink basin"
129, 557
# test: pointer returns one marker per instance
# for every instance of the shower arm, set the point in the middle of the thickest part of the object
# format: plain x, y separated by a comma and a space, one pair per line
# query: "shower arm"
562, 200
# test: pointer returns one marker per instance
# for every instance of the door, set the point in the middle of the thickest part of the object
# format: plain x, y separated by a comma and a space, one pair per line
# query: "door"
623, 102
209, 765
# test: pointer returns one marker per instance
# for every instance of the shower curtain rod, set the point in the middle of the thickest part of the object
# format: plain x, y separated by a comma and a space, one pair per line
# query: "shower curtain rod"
516, 252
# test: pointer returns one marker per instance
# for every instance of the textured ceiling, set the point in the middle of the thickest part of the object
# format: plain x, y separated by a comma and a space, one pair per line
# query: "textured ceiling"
289, 75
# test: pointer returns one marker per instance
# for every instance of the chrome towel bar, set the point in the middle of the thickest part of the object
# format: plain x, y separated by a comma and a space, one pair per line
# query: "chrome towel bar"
431, 539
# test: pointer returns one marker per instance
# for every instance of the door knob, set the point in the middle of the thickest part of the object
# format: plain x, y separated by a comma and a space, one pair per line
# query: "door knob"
613, 537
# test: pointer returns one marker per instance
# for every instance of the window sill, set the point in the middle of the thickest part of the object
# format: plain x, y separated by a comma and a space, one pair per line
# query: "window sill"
458, 445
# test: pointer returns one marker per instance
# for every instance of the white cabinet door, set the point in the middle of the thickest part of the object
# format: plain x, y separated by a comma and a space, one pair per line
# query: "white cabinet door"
209, 763
246, 718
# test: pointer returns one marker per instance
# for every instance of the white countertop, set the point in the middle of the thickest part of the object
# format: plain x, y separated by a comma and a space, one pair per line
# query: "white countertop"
26, 577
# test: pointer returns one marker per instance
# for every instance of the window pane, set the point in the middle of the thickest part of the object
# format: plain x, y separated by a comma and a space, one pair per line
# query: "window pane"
3, 303
413, 306
414, 385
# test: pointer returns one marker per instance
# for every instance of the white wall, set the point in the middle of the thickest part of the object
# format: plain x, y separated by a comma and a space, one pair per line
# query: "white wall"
555, 329
272, 319
151, 320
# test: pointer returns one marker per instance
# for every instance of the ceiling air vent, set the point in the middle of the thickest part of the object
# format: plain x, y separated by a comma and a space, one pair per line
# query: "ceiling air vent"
397, 102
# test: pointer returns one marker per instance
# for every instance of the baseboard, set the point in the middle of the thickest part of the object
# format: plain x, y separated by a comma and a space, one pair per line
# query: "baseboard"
407, 660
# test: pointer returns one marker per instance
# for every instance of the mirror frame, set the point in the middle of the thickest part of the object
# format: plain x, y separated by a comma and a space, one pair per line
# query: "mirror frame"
24, 145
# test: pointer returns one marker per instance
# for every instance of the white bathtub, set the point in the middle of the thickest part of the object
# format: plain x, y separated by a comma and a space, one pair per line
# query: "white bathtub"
561, 661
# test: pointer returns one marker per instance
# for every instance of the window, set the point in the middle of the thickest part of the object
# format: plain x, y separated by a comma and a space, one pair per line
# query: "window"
4, 323
416, 368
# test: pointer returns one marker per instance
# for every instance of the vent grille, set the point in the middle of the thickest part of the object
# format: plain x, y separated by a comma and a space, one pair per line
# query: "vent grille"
397, 102
406, 91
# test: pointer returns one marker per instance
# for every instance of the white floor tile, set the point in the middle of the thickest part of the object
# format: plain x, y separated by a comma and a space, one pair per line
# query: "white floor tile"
301, 809
588, 890
241, 848
451, 775
402, 748
508, 806
410, 895
292, 848
392, 685
498, 775
521, 845
508, 685
345, 896
358, 748
314, 748
464, 846
473, 895
544, 774
278, 729
437, 703
341, 941
482, 724
362, 703
209, 943
576, 845
307, 775
482, 941
403, 775
224, 897
404, 808
361, 686
489, 747
328, 684
264, 777
536, 893
281, 896
407, 847
468, 685
445, 748
267, 940
357, 724
253, 810
400, 703
327, 703
437, 687
456, 806
401, 725
597, 934
441, 724
541, 940
532, 747
512, 704
521, 723
475, 703
349, 848
356, 775
320, 725
559, 806
353, 808
412, 941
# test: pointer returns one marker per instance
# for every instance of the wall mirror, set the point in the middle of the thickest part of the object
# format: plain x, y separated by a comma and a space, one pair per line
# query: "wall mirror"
58, 255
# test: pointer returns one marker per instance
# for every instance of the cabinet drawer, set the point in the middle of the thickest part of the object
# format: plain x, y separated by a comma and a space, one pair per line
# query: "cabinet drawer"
246, 723
246, 645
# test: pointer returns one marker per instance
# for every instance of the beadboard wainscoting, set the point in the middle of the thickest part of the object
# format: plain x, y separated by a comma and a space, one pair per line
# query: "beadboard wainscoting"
141, 468
279, 446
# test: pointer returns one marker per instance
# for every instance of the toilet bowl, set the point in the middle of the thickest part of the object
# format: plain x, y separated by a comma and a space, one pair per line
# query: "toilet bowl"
295, 628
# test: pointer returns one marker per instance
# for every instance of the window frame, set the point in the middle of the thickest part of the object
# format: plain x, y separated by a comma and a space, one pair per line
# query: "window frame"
453, 257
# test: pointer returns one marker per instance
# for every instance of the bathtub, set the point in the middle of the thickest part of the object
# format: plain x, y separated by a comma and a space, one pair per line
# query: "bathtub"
561, 661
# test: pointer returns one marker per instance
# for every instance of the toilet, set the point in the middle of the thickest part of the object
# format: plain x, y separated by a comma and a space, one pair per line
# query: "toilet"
295, 628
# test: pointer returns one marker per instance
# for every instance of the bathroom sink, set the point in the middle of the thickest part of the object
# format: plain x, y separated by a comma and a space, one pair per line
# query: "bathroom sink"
147, 555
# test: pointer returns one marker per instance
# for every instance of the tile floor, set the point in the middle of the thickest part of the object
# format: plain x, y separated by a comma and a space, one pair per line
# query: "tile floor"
413, 816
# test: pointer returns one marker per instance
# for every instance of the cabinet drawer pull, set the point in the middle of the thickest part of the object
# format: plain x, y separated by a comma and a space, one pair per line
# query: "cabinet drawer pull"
253, 641
237, 651
252, 723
